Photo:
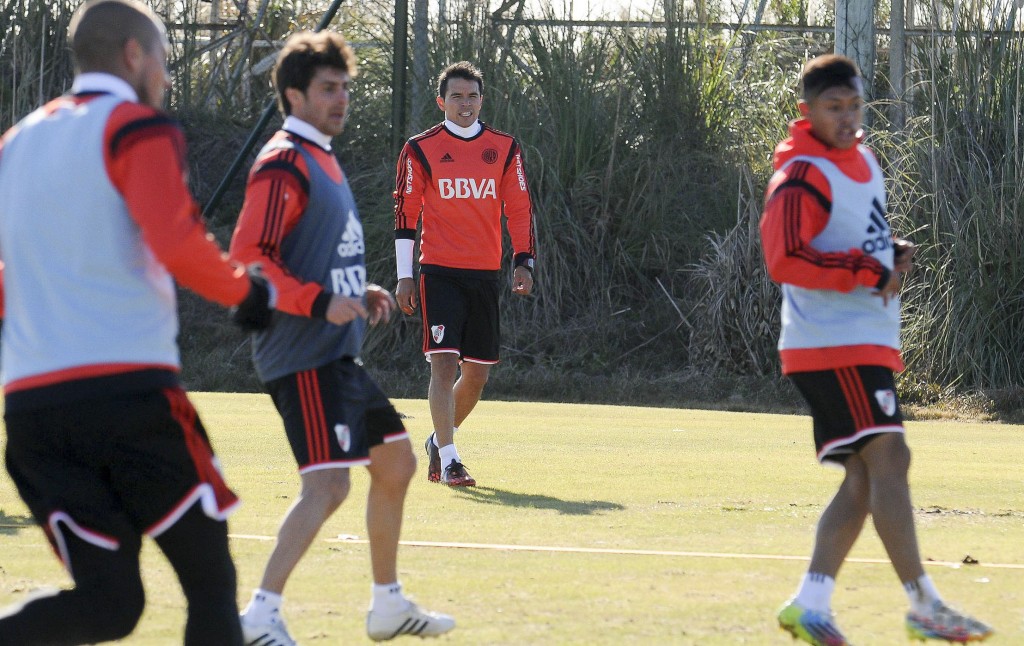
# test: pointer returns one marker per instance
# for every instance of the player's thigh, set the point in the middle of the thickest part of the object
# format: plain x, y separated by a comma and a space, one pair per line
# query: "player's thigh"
323, 412
481, 338
60, 459
850, 407
445, 308
164, 461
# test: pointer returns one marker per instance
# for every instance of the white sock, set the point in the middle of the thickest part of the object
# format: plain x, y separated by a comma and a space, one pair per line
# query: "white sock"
433, 436
922, 594
387, 599
449, 453
262, 606
815, 591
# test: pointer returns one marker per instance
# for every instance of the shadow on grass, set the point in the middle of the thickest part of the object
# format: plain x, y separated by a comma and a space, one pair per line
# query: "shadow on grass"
10, 525
492, 496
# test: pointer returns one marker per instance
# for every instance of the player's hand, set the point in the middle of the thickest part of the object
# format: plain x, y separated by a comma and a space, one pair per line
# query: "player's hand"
522, 281
903, 255
380, 303
344, 309
891, 288
255, 312
406, 296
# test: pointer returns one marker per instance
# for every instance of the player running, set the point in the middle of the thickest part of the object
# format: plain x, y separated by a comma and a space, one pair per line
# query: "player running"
827, 242
96, 224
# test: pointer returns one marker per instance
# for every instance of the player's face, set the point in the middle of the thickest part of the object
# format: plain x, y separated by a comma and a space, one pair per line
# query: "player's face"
324, 104
461, 102
153, 80
836, 116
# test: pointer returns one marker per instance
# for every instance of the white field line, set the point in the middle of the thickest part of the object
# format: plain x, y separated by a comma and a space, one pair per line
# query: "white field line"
601, 550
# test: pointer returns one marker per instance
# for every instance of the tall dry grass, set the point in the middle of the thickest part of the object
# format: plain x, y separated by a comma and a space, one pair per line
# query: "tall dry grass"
648, 151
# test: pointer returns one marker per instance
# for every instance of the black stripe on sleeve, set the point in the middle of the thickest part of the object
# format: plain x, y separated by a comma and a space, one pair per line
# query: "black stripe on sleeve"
141, 128
806, 186
288, 167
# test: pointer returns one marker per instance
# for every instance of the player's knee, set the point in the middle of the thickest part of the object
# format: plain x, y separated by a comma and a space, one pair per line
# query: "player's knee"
402, 468
332, 492
112, 613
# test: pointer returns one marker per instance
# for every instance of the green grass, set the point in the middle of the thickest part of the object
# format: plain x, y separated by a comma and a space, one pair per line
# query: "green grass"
601, 477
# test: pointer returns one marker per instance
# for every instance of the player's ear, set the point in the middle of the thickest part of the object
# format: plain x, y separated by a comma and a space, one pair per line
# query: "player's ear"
132, 54
804, 107
295, 97
440, 102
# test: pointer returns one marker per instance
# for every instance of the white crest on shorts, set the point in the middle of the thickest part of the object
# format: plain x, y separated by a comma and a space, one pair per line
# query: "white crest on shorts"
344, 437
437, 331
886, 401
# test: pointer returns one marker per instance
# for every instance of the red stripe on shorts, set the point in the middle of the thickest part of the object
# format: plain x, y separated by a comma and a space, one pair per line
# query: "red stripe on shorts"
198, 447
313, 416
856, 399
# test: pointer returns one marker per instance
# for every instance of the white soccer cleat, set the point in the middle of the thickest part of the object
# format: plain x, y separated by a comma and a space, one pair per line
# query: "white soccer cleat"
270, 633
414, 621
947, 624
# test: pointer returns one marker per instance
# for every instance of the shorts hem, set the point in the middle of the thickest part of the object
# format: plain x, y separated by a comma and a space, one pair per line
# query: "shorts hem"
205, 495
334, 464
835, 447
395, 437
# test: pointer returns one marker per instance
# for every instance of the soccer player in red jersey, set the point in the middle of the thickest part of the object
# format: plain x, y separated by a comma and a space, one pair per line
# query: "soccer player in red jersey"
457, 180
300, 221
96, 224
827, 242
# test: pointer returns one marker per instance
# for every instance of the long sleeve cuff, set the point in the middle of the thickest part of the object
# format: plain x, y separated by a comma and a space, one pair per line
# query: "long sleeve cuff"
403, 257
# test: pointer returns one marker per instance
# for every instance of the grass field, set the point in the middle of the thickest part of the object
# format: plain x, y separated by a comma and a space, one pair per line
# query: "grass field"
675, 527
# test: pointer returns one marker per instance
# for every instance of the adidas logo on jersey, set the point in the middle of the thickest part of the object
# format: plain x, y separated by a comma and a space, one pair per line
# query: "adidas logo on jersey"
352, 243
881, 235
446, 158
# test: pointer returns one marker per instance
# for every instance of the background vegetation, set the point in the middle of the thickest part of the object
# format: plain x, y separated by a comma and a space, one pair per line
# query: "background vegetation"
648, 149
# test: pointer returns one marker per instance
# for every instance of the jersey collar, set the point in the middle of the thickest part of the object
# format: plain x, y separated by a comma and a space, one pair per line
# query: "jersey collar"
106, 83
303, 129
466, 133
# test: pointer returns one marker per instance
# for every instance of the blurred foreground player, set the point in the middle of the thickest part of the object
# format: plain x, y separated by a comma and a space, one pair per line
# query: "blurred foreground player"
102, 442
827, 242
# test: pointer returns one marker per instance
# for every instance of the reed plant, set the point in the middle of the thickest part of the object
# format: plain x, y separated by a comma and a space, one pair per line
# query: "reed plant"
959, 169
648, 150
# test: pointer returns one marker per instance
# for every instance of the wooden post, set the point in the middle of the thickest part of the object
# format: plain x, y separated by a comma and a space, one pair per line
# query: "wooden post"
855, 35
421, 92
898, 64
398, 74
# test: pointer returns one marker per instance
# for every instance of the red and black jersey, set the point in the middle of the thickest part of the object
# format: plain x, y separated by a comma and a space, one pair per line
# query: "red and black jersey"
460, 188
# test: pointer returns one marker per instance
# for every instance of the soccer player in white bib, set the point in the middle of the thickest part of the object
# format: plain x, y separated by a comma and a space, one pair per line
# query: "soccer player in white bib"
827, 243
96, 226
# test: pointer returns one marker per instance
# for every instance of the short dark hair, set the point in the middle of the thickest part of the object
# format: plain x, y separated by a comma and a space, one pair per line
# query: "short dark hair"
300, 57
100, 28
461, 70
827, 71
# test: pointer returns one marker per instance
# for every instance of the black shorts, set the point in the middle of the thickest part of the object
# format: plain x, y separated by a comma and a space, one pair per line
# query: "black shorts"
115, 468
333, 415
460, 315
849, 407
